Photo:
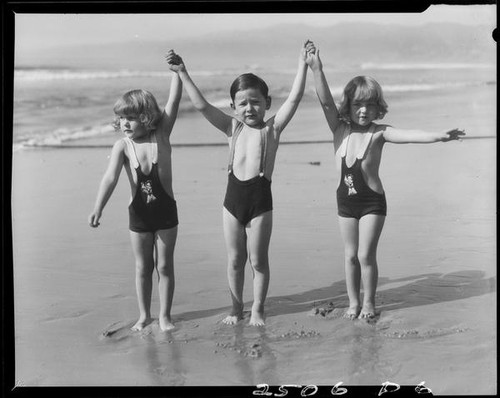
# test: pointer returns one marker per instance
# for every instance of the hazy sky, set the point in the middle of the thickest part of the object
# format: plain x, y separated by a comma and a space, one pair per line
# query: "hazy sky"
48, 30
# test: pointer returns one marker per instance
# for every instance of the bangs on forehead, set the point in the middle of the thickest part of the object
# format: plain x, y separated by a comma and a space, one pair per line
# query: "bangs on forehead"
362, 89
366, 92
126, 108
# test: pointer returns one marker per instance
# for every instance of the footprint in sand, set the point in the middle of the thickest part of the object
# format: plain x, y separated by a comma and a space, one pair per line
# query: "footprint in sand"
400, 329
423, 333
248, 348
328, 311
293, 334
122, 330
117, 331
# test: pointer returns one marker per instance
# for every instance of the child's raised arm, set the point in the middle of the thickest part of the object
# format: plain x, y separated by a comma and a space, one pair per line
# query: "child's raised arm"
172, 106
396, 136
108, 182
323, 91
214, 115
287, 110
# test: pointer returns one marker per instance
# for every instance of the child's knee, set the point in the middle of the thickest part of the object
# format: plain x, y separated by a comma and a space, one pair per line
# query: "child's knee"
143, 269
259, 265
367, 259
165, 268
351, 258
236, 261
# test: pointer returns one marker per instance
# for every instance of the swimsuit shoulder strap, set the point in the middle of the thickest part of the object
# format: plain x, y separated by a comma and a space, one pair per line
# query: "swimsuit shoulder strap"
366, 143
154, 147
237, 128
263, 150
345, 138
131, 152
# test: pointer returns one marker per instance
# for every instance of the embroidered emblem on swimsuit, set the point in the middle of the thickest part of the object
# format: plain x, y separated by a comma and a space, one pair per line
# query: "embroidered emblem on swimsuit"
147, 191
349, 181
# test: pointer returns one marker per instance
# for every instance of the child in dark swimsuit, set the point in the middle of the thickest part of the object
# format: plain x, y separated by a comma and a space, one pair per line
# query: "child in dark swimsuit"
145, 153
362, 208
247, 210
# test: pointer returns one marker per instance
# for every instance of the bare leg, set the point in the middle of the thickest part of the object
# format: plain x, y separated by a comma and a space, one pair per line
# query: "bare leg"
370, 228
259, 235
165, 244
142, 246
236, 246
349, 228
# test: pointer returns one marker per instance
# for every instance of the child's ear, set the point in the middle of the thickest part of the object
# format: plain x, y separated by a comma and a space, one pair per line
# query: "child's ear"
268, 103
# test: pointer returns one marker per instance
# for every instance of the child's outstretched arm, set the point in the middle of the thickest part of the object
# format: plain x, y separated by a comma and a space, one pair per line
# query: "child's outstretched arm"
287, 110
214, 115
108, 182
396, 136
323, 91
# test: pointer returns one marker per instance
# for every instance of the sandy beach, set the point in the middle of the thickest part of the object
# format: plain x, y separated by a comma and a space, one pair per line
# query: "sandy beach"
74, 295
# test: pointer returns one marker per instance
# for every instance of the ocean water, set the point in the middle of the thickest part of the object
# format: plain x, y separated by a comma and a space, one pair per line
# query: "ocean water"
57, 106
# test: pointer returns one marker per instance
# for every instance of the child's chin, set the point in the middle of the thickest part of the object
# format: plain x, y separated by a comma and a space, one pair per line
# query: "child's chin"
253, 122
363, 122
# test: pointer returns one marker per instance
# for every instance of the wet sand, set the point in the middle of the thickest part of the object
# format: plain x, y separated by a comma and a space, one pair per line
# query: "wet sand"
74, 286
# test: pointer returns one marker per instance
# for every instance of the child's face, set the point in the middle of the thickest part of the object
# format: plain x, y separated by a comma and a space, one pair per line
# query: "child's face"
250, 106
132, 127
363, 112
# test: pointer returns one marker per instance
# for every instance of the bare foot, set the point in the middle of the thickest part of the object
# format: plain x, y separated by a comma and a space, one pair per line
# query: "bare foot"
165, 324
234, 316
232, 319
352, 312
368, 311
257, 318
141, 324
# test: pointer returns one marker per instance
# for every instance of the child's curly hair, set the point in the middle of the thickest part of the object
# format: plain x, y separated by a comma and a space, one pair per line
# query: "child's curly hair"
140, 104
362, 88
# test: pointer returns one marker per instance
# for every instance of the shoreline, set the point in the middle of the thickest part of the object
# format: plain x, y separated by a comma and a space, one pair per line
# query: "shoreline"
405, 111
208, 144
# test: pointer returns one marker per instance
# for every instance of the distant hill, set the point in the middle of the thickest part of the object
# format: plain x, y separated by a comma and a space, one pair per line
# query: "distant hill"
278, 47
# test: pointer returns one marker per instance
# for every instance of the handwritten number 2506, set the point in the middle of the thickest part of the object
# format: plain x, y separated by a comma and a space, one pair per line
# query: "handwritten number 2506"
306, 391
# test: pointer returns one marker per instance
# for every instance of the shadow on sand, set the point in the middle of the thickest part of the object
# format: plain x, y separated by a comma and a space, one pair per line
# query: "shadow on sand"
412, 291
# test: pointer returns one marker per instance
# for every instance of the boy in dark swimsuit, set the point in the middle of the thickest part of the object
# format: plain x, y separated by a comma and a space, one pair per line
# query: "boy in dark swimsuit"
145, 153
247, 210
361, 201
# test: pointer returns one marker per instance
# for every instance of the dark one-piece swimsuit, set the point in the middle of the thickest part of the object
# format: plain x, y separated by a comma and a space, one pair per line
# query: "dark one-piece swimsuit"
152, 208
355, 198
248, 199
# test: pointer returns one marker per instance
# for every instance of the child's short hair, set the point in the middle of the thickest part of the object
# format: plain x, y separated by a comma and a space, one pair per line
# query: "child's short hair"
140, 104
362, 88
248, 80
